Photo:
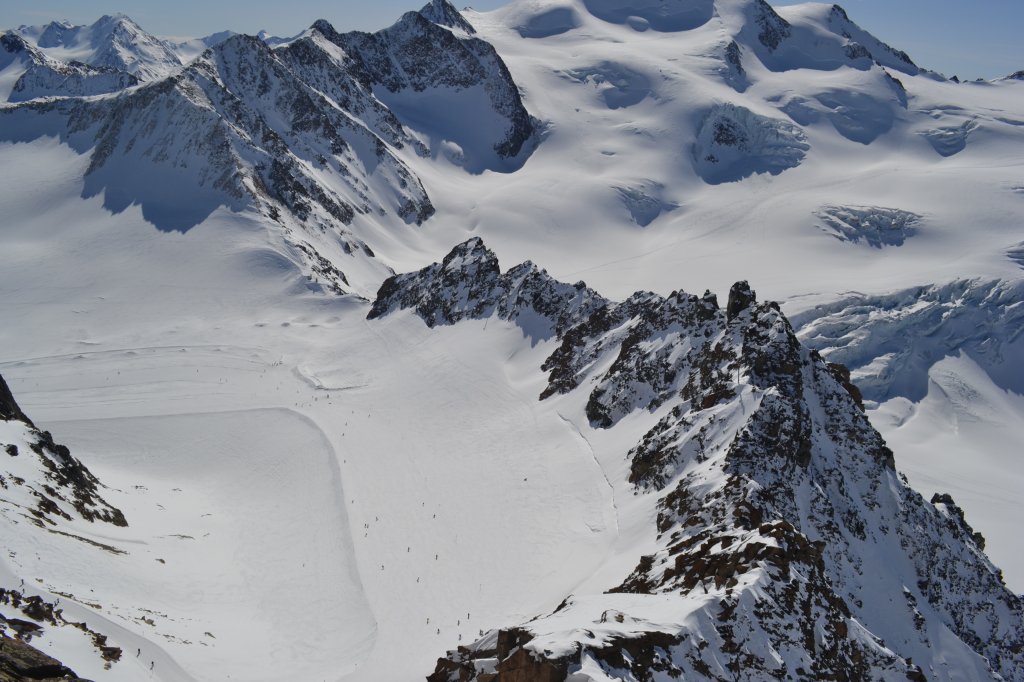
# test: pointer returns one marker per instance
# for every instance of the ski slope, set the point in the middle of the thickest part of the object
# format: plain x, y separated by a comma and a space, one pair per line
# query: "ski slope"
312, 495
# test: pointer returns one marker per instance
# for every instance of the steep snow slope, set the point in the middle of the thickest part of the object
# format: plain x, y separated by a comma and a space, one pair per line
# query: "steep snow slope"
779, 516
112, 42
812, 140
431, 462
309, 134
26, 73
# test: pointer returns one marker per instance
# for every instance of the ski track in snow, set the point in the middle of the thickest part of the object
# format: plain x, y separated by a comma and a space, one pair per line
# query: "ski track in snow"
597, 463
152, 354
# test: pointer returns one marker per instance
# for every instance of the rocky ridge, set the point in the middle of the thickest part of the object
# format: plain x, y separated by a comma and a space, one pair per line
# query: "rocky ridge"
787, 544
45, 485
41, 483
112, 43
44, 76
306, 133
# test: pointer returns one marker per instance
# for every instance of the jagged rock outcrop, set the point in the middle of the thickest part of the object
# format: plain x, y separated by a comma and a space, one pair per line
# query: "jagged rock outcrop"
861, 43
309, 133
42, 482
788, 547
9, 410
418, 56
443, 13
771, 28
20, 661
468, 284
734, 142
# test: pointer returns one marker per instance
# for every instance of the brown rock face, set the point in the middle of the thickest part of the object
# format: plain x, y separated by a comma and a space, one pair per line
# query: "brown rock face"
522, 667
20, 661
9, 409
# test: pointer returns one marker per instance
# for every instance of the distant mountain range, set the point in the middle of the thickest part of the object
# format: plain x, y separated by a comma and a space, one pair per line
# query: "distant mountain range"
725, 479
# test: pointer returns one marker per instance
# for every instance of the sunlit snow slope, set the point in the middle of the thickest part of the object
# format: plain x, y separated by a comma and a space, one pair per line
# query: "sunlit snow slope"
313, 495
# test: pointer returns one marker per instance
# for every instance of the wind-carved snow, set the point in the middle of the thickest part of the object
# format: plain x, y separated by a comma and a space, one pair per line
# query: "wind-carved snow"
644, 202
822, 37
874, 225
1016, 254
659, 15
857, 116
618, 85
950, 140
890, 342
733, 143
543, 19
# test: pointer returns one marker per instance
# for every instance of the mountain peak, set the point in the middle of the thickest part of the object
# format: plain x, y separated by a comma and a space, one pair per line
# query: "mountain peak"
443, 13
321, 26
115, 18
741, 297
780, 495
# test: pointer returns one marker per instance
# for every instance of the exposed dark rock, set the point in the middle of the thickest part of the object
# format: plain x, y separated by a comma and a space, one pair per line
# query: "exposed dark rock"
773, 29
66, 479
9, 407
70, 475
842, 375
469, 284
777, 493
741, 296
20, 661
416, 54
443, 13
44, 613
945, 503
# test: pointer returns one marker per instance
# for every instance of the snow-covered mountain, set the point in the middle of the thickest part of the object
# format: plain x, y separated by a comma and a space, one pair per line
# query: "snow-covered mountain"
774, 499
312, 129
112, 42
334, 472
27, 73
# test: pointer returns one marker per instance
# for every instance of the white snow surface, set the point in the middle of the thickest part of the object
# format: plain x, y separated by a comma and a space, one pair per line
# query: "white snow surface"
325, 492
112, 41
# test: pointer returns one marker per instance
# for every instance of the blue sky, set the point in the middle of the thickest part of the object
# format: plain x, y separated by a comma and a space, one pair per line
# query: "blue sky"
979, 38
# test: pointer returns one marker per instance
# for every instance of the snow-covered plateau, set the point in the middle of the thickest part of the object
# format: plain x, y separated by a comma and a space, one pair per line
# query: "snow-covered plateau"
271, 407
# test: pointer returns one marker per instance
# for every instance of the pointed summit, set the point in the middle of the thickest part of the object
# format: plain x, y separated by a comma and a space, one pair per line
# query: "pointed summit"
114, 41
443, 13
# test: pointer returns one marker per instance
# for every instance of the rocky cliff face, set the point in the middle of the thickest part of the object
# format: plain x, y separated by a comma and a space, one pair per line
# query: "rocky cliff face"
437, 80
43, 483
311, 133
788, 547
